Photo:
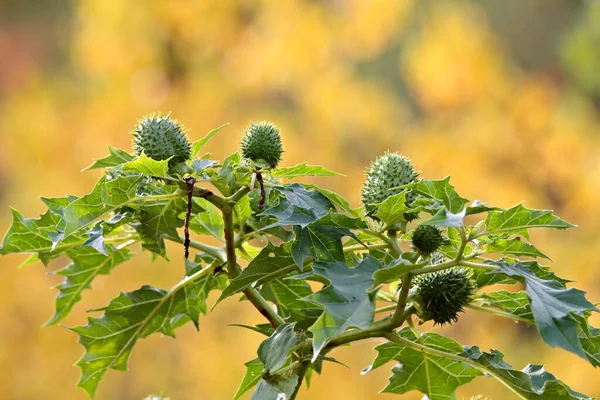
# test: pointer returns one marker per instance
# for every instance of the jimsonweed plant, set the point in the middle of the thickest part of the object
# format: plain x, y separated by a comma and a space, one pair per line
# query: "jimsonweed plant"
415, 252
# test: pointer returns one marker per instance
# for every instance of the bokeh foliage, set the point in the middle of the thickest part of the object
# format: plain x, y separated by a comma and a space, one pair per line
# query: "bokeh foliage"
444, 82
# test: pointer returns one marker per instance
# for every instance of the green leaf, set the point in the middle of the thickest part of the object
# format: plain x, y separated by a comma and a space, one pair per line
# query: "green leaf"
346, 301
97, 234
273, 262
392, 272
515, 247
435, 376
116, 157
208, 222
322, 243
338, 201
518, 219
110, 339
442, 191
275, 388
251, 378
512, 303
273, 352
340, 221
199, 144
589, 337
107, 196
87, 264
302, 170
27, 235
298, 206
263, 329
148, 166
392, 210
287, 295
242, 210
554, 308
159, 220
532, 382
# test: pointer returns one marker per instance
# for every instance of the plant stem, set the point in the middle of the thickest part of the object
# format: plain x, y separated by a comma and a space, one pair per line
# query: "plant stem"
438, 353
391, 307
233, 269
399, 315
500, 313
216, 252
301, 373
358, 247
478, 265
393, 243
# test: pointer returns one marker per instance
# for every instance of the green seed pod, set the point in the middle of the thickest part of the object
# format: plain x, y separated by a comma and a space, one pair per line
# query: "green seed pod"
262, 144
160, 138
427, 239
443, 294
387, 173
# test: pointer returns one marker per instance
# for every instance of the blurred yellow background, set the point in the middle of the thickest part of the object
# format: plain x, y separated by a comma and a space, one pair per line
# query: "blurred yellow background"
502, 95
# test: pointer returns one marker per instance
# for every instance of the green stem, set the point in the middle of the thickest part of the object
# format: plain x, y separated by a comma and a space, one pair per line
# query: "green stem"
216, 252
399, 315
500, 313
358, 247
449, 356
233, 269
391, 307
393, 243
237, 196
301, 373
478, 265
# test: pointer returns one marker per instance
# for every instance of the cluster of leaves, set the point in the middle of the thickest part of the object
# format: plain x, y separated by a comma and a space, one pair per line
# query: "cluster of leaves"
304, 233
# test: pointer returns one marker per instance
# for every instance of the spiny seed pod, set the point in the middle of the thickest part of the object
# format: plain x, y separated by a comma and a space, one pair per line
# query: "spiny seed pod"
428, 238
443, 294
262, 144
160, 138
387, 173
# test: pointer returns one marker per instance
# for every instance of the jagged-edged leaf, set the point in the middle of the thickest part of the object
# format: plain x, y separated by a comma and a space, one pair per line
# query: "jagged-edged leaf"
110, 339
57, 204
338, 201
97, 234
242, 210
273, 352
512, 303
589, 337
87, 264
303, 170
263, 329
298, 206
392, 272
158, 220
483, 278
275, 388
392, 209
273, 262
340, 221
251, 378
225, 179
532, 382
433, 375
321, 243
443, 192
200, 165
208, 222
148, 166
107, 196
116, 157
518, 219
554, 308
29, 235
514, 246
346, 300
199, 144
287, 295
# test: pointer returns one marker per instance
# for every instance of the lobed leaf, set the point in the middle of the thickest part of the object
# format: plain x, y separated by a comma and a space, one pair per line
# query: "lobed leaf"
514, 246
116, 157
303, 170
346, 300
442, 191
287, 295
199, 144
298, 206
518, 219
147, 166
435, 376
557, 311
87, 264
110, 339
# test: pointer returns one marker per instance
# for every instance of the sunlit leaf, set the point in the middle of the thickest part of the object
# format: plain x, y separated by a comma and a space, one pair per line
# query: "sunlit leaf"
302, 170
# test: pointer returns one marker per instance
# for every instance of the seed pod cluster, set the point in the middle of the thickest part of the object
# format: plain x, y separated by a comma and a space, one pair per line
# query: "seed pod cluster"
444, 294
161, 137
